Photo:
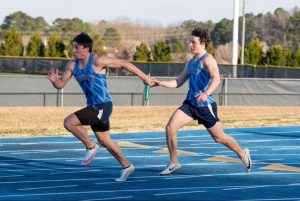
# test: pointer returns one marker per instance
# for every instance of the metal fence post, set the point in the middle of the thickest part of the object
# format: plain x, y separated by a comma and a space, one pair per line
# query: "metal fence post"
225, 91
62, 97
44, 99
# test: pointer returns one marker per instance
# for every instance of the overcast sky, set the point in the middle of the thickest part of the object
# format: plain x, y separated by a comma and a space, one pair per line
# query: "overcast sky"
156, 12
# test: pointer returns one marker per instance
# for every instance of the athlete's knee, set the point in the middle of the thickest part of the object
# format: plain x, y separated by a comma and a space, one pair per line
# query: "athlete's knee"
68, 123
170, 129
108, 144
105, 142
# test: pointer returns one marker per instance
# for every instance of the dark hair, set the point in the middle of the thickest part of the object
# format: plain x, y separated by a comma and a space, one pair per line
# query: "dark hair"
202, 34
84, 40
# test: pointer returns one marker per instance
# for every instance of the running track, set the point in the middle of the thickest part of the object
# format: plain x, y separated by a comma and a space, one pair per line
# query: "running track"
48, 168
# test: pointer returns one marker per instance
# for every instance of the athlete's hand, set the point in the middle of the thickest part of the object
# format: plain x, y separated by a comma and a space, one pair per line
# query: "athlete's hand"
202, 97
53, 75
155, 84
150, 81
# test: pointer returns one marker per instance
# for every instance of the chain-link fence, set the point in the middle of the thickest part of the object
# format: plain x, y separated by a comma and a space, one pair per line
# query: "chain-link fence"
43, 65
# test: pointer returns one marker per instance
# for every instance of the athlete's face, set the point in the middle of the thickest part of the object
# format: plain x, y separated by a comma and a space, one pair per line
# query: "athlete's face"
195, 45
79, 51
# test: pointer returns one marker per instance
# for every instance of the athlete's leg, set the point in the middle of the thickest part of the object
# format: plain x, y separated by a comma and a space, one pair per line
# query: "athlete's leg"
219, 136
72, 124
177, 121
106, 141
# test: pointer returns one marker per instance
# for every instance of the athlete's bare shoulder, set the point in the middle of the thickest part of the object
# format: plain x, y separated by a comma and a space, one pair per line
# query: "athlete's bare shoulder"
209, 61
100, 61
70, 65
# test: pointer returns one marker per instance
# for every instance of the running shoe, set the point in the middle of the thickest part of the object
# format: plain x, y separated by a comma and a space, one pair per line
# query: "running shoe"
125, 173
170, 168
90, 154
246, 160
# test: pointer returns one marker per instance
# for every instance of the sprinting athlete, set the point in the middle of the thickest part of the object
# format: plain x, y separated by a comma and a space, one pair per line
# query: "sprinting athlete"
90, 72
202, 72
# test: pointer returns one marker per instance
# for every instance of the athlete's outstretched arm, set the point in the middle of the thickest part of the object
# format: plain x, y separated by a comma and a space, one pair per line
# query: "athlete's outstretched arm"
120, 63
176, 83
60, 81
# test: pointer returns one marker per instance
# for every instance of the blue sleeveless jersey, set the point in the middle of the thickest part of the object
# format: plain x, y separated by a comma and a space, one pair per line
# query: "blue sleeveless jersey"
199, 81
94, 85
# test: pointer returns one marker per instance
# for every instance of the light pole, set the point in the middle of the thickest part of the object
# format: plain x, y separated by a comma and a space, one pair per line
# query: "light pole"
243, 34
235, 37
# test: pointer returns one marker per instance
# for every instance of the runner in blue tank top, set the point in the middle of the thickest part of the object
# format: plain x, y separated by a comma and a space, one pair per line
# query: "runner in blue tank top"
90, 72
203, 74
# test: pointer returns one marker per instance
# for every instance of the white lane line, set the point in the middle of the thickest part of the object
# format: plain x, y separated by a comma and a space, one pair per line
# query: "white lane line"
47, 187
178, 193
232, 174
51, 169
112, 198
24, 170
48, 194
273, 199
5, 164
40, 150
260, 186
115, 182
99, 168
34, 152
276, 132
74, 172
156, 177
286, 148
98, 191
41, 142
133, 139
50, 180
12, 176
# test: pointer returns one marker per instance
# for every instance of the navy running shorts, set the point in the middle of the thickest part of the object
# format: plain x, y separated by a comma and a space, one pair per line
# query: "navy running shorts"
97, 116
207, 115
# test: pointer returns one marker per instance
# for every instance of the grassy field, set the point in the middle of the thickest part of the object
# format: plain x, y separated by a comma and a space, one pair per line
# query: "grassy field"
47, 121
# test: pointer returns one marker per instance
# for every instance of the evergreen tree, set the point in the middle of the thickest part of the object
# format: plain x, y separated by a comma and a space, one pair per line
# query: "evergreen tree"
12, 45
24, 22
161, 52
210, 49
176, 45
55, 47
35, 47
253, 52
289, 57
189, 25
70, 27
98, 45
222, 32
112, 37
297, 57
142, 53
275, 56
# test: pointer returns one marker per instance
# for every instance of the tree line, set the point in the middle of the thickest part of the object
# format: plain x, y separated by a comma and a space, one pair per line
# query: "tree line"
271, 39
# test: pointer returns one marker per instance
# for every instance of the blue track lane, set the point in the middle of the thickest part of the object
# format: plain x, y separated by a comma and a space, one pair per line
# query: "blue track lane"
48, 168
